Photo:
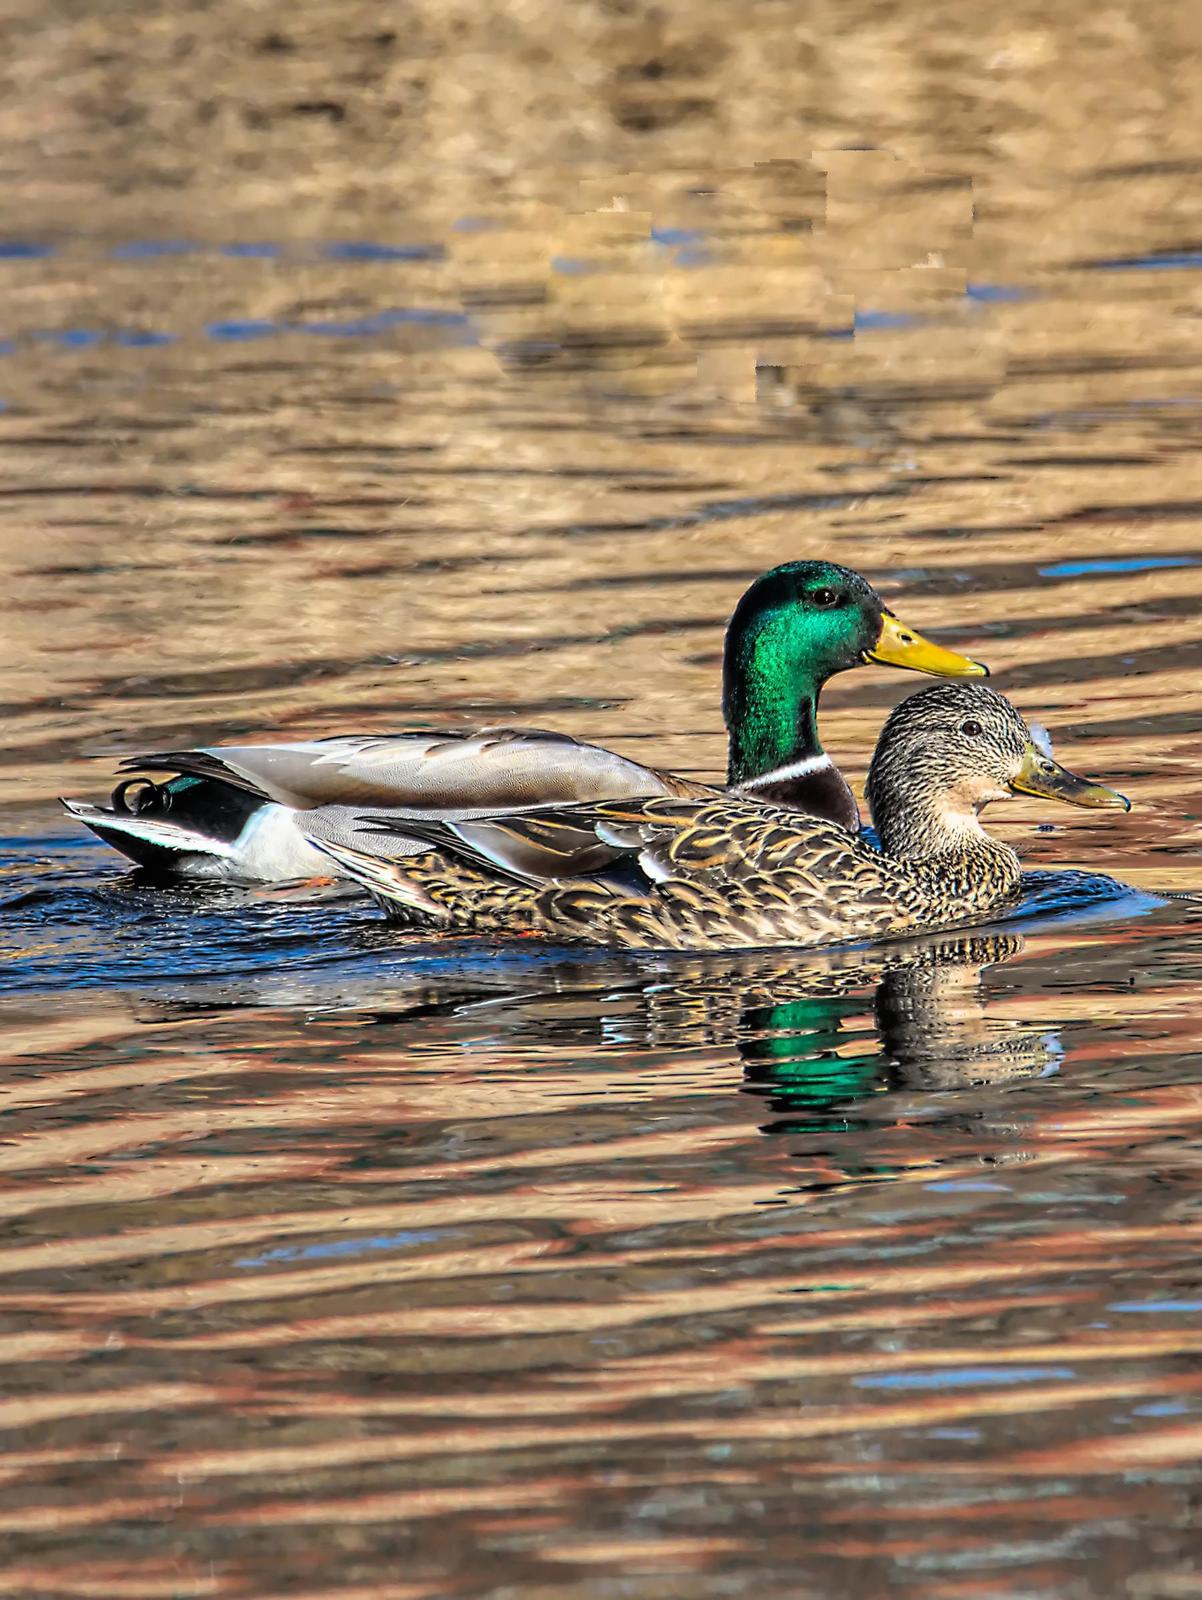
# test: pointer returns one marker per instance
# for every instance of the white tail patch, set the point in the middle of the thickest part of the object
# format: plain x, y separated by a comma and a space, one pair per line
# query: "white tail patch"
166, 835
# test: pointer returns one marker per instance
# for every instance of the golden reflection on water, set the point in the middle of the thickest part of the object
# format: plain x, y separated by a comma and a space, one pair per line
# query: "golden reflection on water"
523, 1277
340, 394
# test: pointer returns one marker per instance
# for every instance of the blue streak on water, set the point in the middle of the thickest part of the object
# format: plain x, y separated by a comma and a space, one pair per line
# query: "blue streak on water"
251, 251
1154, 1307
689, 244
877, 321
1162, 1408
961, 1377
344, 1247
883, 321
24, 250
151, 249
995, 293
89, 338
367, 326
141, 338
1078, 569
238, 329
71, 338
571, 266
368, 250
1157, 261
873, 322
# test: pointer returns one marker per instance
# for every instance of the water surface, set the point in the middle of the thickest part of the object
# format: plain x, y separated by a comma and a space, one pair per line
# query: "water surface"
337, 397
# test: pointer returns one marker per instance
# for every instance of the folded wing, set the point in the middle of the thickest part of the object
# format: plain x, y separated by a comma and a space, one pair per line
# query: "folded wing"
431, 774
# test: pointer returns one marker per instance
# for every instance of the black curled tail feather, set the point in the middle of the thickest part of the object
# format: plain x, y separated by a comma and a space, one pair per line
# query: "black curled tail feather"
193, 764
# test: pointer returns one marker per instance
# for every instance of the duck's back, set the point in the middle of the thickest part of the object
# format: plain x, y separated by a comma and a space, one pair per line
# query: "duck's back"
729, 874
679, 873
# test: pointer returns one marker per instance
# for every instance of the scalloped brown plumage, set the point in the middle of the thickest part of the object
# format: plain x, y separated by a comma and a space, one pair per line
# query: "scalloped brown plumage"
712, 871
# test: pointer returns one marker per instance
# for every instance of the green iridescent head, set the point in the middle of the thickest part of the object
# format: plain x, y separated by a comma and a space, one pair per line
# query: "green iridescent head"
795, 627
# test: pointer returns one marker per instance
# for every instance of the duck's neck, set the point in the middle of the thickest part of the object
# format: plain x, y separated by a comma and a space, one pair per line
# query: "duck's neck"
771, 710
949, 851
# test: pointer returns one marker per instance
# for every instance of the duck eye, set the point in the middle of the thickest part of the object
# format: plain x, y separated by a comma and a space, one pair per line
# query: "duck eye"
825, 598
972, 728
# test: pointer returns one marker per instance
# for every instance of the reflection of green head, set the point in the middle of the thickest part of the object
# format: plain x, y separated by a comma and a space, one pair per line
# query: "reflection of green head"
793, 629
791, 1053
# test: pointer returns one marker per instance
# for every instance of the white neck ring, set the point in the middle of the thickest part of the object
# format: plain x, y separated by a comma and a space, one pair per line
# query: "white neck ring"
795, 769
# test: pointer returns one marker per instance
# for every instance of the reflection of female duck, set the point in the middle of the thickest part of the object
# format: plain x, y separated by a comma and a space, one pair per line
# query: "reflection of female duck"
804, 1025
933, 1029
936, 1028
718, 873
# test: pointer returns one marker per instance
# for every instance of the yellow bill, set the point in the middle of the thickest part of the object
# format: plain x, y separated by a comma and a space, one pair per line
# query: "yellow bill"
1042, 776
899, 646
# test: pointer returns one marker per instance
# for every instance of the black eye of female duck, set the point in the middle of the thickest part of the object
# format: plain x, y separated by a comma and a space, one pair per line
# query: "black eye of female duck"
972, 728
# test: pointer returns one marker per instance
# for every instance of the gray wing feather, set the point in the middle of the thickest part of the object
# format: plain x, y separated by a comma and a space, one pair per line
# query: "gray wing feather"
429, 774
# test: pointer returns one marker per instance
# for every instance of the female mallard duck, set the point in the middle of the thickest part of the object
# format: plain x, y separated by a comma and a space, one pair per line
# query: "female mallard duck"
250, 811
715, 872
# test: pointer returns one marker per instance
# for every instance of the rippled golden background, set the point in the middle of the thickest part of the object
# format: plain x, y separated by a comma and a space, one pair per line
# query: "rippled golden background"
363, 366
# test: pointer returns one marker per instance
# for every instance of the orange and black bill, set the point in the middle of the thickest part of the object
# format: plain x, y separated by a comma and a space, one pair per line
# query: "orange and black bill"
1040, 775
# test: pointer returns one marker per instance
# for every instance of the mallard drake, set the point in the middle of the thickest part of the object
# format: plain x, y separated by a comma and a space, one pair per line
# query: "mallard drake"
251, 811
719, 872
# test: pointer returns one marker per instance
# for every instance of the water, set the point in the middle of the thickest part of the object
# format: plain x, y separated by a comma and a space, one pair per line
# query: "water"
338, 396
